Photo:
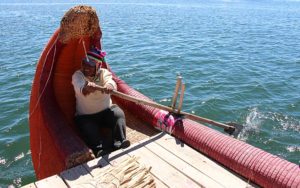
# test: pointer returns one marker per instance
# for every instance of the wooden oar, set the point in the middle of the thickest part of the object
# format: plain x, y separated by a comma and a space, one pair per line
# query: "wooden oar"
230, 129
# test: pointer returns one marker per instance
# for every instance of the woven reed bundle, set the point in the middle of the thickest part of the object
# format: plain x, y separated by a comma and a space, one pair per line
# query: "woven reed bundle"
127, 174
79, 21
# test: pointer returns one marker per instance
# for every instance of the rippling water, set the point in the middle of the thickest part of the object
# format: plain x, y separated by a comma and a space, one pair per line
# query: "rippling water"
240, 61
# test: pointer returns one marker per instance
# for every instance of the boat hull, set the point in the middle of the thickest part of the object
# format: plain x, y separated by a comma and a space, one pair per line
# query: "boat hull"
56, 145
53, 136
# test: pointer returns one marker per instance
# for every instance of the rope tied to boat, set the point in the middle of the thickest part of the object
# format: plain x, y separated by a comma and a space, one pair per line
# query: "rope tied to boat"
39, 99
167, 121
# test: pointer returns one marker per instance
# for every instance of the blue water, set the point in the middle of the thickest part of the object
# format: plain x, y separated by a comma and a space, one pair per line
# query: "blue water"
240, 61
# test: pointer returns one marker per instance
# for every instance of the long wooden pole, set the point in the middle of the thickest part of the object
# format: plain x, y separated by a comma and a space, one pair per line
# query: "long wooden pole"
228, 128
181, 98
174, 99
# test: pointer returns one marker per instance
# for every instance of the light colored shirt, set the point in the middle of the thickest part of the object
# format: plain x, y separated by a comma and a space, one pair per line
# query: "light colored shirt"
94, 102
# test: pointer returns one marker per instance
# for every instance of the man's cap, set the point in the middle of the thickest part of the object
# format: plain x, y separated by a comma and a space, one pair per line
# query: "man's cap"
96, 54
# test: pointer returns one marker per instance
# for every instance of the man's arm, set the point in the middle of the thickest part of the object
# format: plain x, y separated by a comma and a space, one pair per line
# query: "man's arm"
108, 80
81, 85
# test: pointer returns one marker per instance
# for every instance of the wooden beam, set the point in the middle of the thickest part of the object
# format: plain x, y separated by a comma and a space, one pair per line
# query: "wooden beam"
77, 176
220, 174
52, 181
184, 167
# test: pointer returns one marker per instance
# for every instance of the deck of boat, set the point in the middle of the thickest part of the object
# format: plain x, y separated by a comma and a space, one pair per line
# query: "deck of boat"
173, 163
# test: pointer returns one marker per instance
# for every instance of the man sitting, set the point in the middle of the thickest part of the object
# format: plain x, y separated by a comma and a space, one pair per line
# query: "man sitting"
94, 108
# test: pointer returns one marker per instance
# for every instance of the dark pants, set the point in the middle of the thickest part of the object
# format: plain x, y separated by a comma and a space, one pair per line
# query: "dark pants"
101, 130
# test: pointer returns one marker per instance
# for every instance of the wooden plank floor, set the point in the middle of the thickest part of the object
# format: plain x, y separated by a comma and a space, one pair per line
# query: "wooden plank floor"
173, 164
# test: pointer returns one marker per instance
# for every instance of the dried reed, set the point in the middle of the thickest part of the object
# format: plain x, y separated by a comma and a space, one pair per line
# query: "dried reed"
127, 174
79, 21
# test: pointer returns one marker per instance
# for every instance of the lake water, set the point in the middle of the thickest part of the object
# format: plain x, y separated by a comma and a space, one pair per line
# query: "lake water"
240, 61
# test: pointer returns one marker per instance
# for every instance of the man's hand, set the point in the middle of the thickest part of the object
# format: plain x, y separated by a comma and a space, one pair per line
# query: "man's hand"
108, 89
89, 87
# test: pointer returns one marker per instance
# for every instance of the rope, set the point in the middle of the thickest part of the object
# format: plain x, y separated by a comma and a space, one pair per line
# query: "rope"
40, 96
83, 43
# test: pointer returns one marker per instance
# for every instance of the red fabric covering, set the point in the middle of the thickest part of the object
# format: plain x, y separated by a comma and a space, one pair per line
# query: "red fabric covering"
53, 138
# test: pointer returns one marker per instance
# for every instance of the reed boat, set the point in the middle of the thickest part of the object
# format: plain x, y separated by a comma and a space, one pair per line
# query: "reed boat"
55, 142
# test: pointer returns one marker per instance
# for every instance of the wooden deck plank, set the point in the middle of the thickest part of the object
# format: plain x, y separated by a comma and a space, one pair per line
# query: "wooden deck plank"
173, 164
114, 159
77, 177
201, 162
117, 156
104, 162
31, 185
162, 170
52, 181
183, 166
95, 170
96, 163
